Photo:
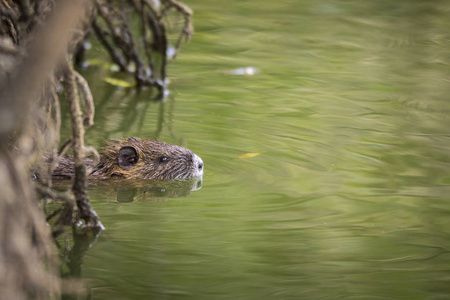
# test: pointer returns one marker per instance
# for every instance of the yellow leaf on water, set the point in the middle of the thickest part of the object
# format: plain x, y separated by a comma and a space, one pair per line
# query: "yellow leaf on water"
247, 155
118, 82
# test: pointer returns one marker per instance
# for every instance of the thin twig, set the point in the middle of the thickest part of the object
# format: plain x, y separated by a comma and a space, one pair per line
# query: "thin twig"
86, 212
115, 56
86, 94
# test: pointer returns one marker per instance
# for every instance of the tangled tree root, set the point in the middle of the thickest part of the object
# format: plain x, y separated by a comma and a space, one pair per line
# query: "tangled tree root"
37, 37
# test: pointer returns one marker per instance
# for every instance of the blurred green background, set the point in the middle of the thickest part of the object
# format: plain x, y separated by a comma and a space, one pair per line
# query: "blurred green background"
347, 103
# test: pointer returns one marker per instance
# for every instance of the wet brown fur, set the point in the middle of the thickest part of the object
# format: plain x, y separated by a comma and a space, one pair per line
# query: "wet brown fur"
181, 163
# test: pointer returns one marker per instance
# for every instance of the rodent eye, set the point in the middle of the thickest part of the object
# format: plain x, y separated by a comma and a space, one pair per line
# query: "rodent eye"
163, 159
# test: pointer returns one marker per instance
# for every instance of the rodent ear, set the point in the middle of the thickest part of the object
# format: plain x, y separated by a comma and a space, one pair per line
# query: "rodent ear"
128, 156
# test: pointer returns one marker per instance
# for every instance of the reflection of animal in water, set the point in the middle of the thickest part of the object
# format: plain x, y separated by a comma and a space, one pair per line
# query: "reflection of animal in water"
150, 191
137, 159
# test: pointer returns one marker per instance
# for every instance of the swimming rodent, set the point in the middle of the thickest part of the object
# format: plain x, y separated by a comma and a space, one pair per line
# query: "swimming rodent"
134, 158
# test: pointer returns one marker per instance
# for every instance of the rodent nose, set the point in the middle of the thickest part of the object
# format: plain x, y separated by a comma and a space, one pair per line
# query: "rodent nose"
198, 163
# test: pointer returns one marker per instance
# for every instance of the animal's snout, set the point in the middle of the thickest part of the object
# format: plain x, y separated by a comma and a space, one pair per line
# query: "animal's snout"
199, 163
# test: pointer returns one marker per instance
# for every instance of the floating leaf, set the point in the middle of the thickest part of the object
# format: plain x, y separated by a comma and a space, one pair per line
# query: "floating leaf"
118, 82
247, 155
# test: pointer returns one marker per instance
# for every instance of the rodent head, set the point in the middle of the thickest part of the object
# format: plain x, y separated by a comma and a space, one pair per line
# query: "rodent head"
146, 159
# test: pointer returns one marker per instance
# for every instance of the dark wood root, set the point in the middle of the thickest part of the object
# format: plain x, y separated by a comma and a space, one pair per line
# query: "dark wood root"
125, 46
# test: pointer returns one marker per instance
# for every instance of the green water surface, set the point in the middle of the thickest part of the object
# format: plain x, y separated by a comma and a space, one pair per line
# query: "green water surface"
349, 197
